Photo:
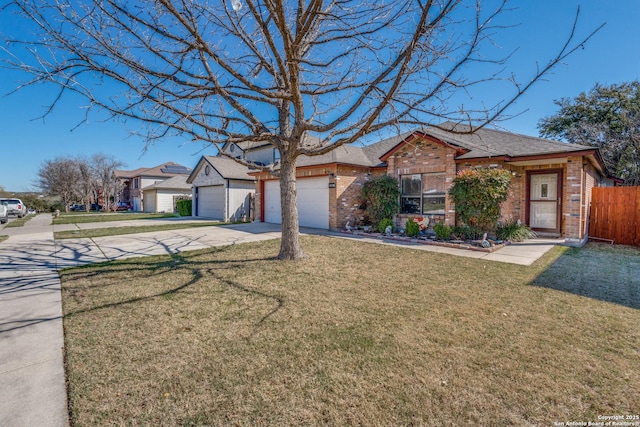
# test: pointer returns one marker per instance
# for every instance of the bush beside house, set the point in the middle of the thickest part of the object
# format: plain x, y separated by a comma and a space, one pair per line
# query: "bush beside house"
184, 207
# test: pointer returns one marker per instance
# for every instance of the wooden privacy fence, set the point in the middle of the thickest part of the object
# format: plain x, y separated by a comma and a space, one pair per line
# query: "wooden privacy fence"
615, 214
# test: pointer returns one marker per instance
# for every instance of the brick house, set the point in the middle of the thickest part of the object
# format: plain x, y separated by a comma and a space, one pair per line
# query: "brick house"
550, 189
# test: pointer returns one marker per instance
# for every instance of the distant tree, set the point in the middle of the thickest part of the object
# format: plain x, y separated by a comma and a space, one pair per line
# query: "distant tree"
607, 117
86, 185
40, 204
104, 167
3, 192
306, 76
60, 177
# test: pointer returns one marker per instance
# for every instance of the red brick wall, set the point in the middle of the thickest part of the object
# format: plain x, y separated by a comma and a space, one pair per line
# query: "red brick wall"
514, 207
347, 195
422, 156
590, 181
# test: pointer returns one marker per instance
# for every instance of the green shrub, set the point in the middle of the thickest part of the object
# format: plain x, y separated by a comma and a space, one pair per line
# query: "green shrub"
478, 193
382, 225
381, 195
514, 231
442, 230
411, 228
184, 207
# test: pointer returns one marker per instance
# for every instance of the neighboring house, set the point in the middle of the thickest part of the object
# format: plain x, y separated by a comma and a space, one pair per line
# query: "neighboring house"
222, 189
162, 196
134, 181
550, 190
260, 153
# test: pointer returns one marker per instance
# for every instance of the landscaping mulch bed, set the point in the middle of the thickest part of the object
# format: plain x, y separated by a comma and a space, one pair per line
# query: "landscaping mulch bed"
426, 241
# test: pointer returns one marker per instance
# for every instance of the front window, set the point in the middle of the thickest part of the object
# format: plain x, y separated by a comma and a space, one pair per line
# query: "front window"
411, 188
423, 194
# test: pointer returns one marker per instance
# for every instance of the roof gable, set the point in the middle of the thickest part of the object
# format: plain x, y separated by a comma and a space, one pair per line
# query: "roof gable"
225, 167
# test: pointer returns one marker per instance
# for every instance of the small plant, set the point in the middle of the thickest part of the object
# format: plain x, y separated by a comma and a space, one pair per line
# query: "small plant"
382, 225
411, 228
514, 231
467, 232
442, 230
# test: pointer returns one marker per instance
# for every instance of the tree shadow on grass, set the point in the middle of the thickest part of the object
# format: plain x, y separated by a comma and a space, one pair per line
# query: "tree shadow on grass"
599, 271
159, 265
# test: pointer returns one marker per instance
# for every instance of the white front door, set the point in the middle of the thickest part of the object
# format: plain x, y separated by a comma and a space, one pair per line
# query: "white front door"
545, 201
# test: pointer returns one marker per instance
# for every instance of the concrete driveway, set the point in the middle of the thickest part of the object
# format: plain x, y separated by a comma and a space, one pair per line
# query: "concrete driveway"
74, 252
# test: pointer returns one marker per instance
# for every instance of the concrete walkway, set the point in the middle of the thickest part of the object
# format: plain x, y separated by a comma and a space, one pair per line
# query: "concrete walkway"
32, 378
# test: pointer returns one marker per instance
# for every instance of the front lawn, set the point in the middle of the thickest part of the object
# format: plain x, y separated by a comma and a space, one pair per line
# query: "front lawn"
357, 334
83, 217
90, 233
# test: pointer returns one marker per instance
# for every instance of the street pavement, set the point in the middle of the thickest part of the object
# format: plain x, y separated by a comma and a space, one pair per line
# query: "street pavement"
32, 379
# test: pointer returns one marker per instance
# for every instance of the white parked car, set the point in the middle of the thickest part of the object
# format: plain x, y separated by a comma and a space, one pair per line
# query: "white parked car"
4, 214
14, 207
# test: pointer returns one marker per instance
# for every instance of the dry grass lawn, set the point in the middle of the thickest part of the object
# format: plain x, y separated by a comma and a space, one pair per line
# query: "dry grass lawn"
357, 334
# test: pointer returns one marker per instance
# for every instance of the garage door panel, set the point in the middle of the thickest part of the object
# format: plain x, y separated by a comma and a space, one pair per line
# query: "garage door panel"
313, 202
211, 201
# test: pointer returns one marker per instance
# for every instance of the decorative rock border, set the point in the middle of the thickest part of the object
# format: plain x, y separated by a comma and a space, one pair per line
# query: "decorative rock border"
462, 245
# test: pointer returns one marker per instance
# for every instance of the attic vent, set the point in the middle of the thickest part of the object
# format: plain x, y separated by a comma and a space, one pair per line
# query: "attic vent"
177, 169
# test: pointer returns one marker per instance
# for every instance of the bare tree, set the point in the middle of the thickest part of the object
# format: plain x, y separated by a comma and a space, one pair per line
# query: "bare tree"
306, 76
86, 184
104, 167
60, 177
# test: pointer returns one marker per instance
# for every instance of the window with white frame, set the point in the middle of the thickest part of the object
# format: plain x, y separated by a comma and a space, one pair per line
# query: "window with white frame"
423, 194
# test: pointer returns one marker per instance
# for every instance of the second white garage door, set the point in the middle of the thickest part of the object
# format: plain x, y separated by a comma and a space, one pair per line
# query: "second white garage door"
211, 201
313, 202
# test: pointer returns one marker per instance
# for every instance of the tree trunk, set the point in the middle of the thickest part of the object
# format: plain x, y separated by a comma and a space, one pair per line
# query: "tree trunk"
290, 245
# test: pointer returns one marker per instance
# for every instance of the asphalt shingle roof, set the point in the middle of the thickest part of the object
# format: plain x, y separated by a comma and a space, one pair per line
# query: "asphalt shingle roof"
163, 170
492, 143
178, 182
228, 168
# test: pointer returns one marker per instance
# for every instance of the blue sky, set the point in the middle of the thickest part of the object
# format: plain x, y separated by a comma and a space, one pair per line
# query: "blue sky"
613, 56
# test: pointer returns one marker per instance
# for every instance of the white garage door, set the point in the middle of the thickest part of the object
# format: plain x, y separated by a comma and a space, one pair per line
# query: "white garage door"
313, 202
211, 201
149, 201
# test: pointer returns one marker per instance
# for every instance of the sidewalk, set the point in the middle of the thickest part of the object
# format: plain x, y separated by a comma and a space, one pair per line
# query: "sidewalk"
32, 377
